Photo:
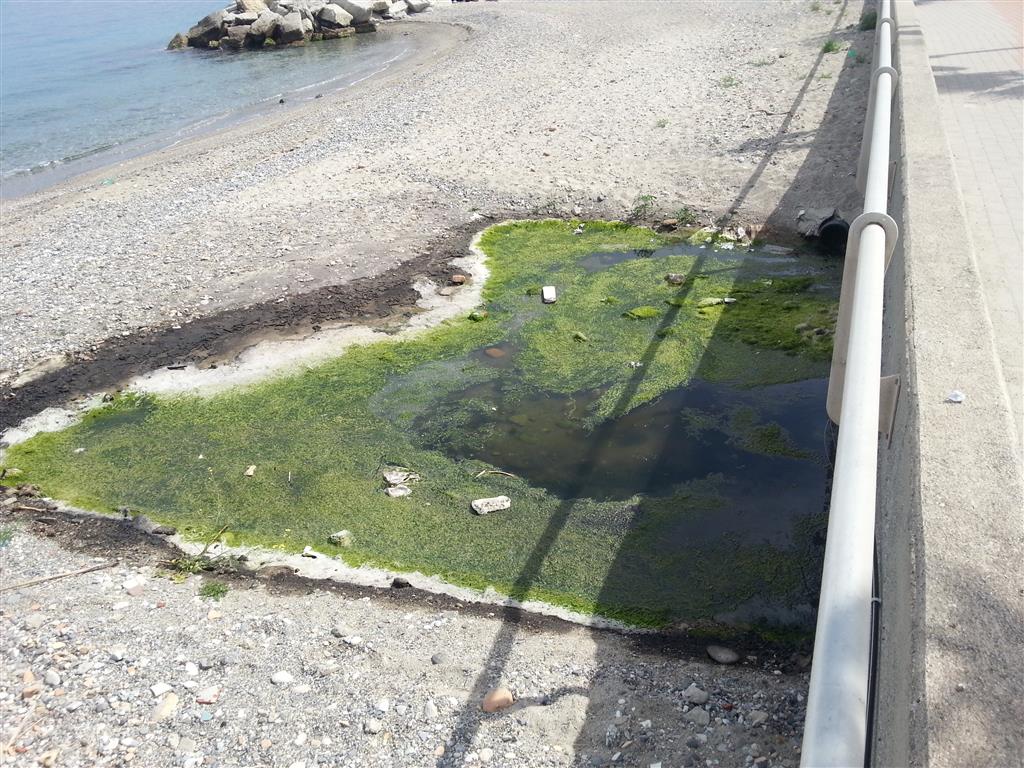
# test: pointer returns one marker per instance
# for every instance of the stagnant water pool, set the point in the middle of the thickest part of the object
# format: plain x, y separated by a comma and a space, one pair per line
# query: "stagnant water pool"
662, 440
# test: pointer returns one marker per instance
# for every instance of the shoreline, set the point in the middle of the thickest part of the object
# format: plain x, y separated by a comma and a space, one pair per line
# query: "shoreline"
44, 177
147, 151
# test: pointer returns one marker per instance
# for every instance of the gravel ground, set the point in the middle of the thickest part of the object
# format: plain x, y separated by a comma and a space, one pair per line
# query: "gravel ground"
124, 666
511, 106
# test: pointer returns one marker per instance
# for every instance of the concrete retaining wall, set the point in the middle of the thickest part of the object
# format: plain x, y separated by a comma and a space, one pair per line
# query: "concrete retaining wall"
951, 506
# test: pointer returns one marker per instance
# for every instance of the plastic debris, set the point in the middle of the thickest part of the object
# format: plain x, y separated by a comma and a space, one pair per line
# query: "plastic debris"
250, 470
548, 294
956, 396
400, 476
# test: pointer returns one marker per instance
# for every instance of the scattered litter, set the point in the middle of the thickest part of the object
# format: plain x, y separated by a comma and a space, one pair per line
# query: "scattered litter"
635, 364
714, 301
398, 491
778, 250
674, 278
956, 396
578, 230
548, 294
493, 472
308, 551
400, 476
251, 470
495, 504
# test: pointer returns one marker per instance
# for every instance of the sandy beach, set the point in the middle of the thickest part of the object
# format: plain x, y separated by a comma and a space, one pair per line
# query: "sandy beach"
511, 108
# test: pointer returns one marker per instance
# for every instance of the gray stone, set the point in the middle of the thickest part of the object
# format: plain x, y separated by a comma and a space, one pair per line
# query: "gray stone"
244, 19
698, 716
495, 504
439, 659
334, 16
207, 30
235, 38
51, 678
723, 655
265, 25
179, 41
756, 717
695, 695
396, 10
417, 6
282, 678
430, 709
35, 621
341, 538
289, 29
373, 726
251, 6
360, 10
381, 6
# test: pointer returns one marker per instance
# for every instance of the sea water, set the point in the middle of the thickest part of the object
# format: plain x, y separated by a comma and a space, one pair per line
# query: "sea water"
84, 83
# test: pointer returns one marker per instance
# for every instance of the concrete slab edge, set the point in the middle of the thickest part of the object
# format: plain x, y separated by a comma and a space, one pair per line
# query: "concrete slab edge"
951, 497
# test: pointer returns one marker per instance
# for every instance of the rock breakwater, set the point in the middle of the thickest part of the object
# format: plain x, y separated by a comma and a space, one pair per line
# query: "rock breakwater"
253, 24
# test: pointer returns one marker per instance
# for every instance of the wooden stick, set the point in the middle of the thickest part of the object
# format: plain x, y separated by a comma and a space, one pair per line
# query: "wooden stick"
66, 575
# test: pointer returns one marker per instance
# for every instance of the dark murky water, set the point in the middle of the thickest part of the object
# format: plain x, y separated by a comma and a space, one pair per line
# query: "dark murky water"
691, 433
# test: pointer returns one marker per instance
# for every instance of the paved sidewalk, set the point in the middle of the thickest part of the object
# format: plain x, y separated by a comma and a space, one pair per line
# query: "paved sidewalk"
976, 52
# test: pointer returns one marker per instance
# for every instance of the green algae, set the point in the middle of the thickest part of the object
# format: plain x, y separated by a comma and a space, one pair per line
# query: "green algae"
642, 313
319, 438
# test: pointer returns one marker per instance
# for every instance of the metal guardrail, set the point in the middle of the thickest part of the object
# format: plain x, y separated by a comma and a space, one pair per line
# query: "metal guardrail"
836, 728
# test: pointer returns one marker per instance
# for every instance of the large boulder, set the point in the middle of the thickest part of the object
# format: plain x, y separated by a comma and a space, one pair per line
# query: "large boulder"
360, 10
251, 6
307, 26
396, 10
235, 38
334, 17
416, 6
244, 19
335, 34
381, 6
208, 30
265, 24
178, 42
290, 30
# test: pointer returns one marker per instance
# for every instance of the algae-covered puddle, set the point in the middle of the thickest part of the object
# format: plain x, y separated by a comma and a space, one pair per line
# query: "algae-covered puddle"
664, 446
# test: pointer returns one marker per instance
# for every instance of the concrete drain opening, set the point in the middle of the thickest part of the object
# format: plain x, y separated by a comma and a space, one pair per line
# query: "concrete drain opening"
658, 431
